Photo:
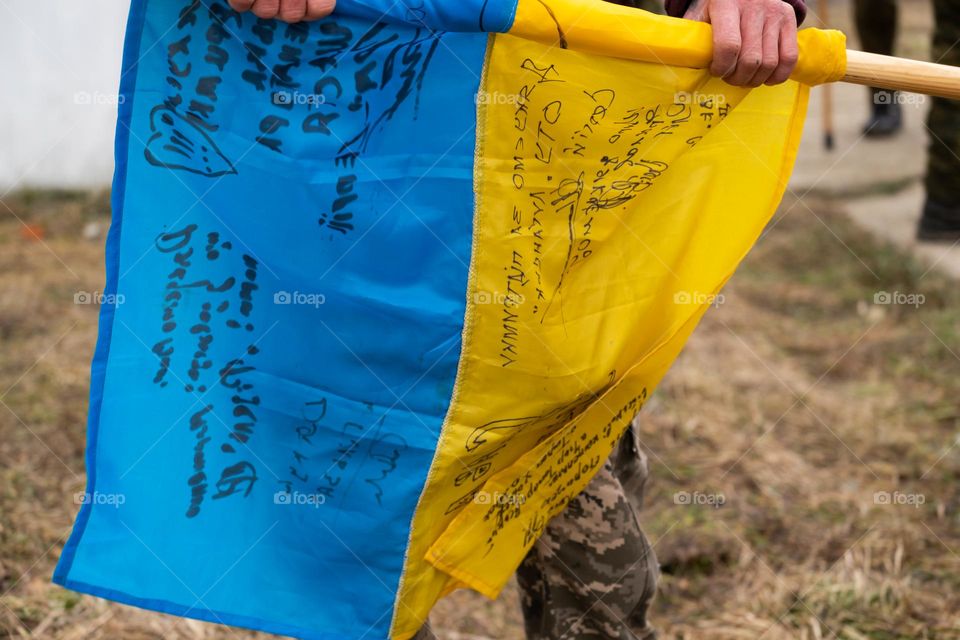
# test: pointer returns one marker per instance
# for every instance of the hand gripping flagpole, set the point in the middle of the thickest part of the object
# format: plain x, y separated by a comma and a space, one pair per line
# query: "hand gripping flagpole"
603, 28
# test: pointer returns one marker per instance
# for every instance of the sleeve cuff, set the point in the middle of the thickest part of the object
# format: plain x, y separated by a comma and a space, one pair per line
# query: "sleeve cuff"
677, 8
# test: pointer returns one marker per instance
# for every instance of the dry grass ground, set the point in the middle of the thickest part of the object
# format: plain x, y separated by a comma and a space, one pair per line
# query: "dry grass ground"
799, 401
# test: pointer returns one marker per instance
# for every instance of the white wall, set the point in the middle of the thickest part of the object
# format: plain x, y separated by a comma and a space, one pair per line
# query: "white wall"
59, 72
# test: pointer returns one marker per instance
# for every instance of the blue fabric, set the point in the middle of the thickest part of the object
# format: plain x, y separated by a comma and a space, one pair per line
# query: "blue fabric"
289, 253
446, 15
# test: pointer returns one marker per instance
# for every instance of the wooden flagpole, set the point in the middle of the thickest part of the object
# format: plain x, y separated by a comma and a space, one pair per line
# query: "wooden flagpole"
900, 74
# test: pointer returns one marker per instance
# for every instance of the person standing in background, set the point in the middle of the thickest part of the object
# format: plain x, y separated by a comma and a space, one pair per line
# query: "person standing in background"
941, 212
877, 26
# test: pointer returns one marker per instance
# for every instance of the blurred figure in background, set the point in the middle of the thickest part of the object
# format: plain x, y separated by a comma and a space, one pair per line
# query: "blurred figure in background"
877, 27
941, 213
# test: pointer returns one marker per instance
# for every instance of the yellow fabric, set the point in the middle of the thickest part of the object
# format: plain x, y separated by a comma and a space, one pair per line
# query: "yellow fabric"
614, 198
603, 28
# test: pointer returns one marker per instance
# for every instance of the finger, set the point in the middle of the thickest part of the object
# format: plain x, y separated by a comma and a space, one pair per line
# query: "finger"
266, 9
317, 9
725, 18
770, 56
789, 50
751, 49
292, 10
241, 5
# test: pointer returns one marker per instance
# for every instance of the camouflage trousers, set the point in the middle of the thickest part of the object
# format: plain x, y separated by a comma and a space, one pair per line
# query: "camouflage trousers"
593, 573
877, 25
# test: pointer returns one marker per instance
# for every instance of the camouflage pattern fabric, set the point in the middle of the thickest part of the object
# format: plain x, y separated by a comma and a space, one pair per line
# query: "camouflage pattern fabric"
593, 573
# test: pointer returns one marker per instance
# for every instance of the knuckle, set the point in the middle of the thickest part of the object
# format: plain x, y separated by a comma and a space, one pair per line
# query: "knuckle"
723, 67
728, 47
777, 77
752, 61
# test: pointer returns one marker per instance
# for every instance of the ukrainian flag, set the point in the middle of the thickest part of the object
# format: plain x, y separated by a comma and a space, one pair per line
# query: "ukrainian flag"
390, 286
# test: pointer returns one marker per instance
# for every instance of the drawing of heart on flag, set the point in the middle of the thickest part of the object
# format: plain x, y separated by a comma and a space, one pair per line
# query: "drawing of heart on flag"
390, 287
